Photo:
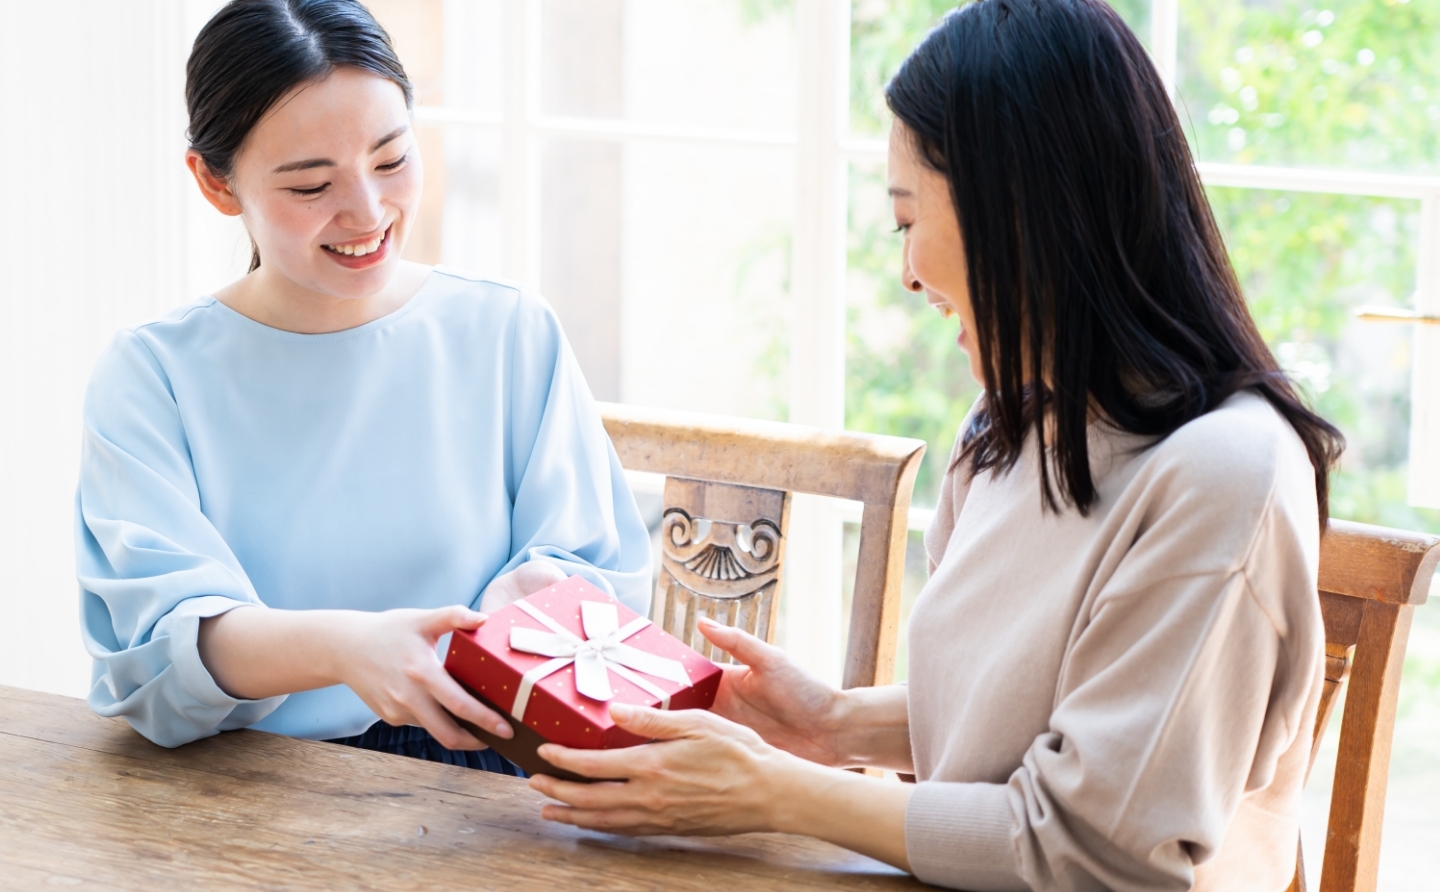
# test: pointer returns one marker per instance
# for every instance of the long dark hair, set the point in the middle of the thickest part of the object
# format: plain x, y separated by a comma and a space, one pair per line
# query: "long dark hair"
1097, 274
253, 52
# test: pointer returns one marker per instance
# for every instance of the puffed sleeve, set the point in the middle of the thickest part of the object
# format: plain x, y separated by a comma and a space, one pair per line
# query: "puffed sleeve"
572, 504
1193, 678
149, 563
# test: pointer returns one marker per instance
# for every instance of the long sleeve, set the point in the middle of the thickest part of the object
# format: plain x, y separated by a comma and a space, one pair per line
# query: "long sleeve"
572, 505
149, 563
1184, 689
1135, 782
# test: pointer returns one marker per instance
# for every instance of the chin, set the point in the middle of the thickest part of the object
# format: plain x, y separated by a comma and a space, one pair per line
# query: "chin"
977, 372
356, 284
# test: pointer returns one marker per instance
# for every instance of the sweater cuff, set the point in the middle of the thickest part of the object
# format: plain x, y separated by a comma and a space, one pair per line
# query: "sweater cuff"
182, 627
961, 836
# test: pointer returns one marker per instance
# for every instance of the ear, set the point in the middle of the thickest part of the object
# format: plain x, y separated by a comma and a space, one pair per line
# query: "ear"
216, 189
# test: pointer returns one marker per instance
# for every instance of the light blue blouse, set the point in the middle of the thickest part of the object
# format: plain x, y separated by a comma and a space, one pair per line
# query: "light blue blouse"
403, 463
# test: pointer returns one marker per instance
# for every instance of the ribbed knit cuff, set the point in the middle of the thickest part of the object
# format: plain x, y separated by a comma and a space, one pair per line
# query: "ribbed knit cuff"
961, 836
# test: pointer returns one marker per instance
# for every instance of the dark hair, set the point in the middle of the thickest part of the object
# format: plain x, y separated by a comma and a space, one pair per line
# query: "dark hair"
253, 52
1097, 274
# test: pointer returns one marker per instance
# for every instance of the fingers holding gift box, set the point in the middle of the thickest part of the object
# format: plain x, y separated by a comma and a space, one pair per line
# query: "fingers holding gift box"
557, 659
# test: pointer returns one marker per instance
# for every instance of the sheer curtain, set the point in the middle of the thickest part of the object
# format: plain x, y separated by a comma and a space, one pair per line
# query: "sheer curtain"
100, 227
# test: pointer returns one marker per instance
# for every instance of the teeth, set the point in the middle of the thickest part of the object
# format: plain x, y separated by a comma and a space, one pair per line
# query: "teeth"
946, 312
359, 250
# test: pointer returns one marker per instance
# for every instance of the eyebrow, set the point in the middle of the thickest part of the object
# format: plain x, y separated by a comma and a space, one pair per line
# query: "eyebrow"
897, 192
313, 163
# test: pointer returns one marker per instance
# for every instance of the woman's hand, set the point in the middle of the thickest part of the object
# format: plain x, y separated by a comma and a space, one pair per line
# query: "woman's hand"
389, 660
787, 706
703, 775
799, 713
709, 777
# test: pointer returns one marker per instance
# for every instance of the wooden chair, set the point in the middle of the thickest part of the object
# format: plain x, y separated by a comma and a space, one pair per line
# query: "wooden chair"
1371, 581
726, 518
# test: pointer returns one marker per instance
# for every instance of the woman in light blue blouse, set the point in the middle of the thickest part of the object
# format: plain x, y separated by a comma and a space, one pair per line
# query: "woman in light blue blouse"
292, 490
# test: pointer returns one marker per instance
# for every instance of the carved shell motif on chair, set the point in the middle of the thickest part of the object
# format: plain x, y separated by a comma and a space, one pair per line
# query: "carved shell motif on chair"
722, 547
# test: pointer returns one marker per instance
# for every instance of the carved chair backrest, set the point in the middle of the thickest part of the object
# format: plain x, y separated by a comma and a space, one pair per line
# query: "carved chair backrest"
722, 548
1371, 581
726, 519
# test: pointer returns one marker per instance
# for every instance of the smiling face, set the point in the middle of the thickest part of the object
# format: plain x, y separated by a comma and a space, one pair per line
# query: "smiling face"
934, 253
329, 184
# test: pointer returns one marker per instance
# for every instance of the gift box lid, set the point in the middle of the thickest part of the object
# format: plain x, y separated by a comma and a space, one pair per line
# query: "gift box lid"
556, 660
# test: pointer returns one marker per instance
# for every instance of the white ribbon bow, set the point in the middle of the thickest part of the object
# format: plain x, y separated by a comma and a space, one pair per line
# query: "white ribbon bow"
595, 656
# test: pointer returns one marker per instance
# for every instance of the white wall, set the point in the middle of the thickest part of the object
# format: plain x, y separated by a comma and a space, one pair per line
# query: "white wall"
100, 227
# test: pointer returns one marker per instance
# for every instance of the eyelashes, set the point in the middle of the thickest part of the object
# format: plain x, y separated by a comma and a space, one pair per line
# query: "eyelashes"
387, 168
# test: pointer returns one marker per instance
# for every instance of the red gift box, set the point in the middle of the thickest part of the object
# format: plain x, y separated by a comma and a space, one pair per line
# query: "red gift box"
556, 660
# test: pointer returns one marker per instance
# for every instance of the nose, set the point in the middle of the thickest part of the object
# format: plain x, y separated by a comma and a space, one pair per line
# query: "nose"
907, 275
361, 207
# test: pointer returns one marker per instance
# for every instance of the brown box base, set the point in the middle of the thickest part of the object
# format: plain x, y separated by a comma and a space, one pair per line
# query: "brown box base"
520, 749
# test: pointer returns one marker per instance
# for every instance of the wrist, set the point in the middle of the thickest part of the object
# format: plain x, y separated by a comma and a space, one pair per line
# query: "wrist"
793, 785
860, 813
841, 726
337, 639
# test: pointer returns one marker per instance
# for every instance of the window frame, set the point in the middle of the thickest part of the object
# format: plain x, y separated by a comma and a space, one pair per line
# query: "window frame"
825, 148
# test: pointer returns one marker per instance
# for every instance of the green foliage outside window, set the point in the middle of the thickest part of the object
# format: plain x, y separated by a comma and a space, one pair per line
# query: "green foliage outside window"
1331, 84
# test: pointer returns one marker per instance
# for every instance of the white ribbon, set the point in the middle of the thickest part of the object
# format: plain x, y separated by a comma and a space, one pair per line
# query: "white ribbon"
595, 656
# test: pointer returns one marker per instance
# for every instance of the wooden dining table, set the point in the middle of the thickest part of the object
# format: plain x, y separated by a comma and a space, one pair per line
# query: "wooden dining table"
86, 802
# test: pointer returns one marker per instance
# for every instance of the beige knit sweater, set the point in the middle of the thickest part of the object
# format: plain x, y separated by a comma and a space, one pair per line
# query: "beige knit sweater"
1124, 700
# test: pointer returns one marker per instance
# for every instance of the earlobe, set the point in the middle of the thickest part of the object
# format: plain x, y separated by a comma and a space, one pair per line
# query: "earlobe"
216, 189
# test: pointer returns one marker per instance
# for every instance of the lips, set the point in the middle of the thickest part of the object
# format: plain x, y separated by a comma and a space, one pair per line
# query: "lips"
361, 255
359, 249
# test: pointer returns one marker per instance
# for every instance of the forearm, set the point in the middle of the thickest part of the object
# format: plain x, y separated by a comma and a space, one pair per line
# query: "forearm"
253, 652
864, 814
871, 728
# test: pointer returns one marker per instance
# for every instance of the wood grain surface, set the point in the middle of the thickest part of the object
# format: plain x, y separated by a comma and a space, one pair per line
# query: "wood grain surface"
86, 802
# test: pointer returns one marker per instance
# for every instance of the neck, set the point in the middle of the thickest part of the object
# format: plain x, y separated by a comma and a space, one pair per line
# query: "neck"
270, 298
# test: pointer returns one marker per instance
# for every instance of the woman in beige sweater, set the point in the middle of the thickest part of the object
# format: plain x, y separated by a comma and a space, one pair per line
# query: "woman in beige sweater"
1116, 663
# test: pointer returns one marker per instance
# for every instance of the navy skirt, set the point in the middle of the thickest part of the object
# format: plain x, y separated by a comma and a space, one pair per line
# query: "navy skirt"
416, 742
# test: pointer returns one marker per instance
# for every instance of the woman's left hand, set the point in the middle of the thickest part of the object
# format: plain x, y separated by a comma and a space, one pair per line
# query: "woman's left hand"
702, 775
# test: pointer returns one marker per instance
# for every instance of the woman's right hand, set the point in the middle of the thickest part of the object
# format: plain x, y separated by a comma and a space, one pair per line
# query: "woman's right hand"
790, 708
389, 660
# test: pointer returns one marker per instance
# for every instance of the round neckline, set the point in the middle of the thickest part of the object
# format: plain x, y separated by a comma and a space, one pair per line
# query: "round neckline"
385, 321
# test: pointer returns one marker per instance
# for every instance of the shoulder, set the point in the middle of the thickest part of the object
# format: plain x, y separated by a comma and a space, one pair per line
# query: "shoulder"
1239, 473
134, 376
1243, 450
151, 351
137, 350
512, 319
489, 297
173, 328
480, 307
